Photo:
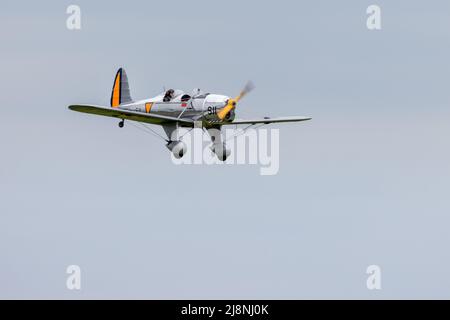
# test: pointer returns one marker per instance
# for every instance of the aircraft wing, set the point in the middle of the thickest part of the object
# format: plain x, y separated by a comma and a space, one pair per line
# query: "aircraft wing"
130, 115
267, 120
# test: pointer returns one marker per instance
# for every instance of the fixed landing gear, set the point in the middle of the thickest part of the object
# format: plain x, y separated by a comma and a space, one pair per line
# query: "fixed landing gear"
218, 145
121, 123
178, 148
221, 151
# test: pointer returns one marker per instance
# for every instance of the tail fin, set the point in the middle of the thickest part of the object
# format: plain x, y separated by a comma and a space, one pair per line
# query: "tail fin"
121, 91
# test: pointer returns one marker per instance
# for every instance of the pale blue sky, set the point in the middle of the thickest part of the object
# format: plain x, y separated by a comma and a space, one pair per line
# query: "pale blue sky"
365, 182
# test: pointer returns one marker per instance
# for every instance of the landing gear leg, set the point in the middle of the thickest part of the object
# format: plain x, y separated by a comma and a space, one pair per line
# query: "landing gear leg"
121, 123
218, 145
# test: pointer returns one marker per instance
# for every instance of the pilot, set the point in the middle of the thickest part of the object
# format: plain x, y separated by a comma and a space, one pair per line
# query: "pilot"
169, 95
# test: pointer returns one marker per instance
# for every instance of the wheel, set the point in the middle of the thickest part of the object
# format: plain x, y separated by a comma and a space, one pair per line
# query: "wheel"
121, 123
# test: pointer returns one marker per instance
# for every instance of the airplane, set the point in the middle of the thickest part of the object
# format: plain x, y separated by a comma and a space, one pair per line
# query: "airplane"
174, 108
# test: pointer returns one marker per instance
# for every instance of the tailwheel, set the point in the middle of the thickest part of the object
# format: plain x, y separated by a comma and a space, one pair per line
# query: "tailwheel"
121, 123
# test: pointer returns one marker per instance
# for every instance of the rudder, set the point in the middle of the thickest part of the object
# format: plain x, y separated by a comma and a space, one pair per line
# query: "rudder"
121, 91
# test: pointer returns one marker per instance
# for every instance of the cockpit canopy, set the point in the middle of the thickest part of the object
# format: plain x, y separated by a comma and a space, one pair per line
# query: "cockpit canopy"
177, 95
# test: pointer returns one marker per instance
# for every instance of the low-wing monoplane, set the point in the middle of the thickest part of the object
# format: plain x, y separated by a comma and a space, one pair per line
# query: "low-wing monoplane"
174, 108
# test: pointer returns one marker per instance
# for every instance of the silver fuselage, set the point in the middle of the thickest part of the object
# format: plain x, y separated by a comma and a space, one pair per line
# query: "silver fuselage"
204, 107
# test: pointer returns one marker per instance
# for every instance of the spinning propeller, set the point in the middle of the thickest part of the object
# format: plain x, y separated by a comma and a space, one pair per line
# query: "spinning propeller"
231, 103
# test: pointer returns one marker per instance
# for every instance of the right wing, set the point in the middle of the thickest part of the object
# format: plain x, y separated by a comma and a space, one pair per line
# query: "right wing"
130, 115
267, 120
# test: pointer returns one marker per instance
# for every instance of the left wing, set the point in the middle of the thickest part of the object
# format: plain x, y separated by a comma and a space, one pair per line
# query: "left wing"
131, 115
267, 120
